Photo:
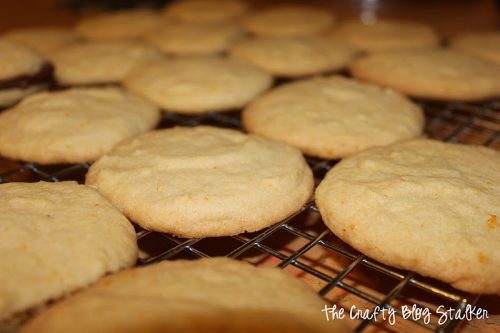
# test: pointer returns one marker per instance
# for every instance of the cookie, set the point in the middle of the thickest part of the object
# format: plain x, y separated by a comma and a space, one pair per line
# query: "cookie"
43, 40
203, 181
16, 60
431, 74
333, 117
202, 11
386, 35
72, 126
195, 38
198, 85
56, 238
482, 44
10, 96
293, 56
204, 295
421, 205
125, 24
289, 20
101, 62
22, 72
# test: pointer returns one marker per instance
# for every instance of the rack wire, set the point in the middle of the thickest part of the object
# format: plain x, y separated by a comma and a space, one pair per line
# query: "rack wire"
302, 243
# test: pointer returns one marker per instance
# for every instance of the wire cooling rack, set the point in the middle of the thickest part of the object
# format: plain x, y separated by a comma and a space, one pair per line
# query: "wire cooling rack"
305, 246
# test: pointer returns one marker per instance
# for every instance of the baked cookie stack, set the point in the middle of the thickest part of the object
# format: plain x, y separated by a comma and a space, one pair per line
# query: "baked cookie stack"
304, 86
22, 72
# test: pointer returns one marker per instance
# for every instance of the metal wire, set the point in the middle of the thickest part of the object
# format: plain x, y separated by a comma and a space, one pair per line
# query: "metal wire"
455, 122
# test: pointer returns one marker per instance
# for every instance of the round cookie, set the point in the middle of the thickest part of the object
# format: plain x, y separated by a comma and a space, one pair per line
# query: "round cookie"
333, 117
195, 39
482, 44
386, 35
205, 295
202, 11
422, 205
198, 85
44, 40
56, 238
125, 24
203, 181
22, 72
431, 74
289, 20
101, 62
293, 56
72, 126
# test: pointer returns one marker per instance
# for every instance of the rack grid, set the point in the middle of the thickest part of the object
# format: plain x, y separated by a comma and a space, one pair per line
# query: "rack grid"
302, 243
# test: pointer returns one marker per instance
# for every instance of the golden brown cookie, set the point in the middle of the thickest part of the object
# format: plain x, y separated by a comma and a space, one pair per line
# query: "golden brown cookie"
421, 205
482, 44
386, 35
187, 39
203, 181
202, 11
198, 85
72, 126
101, 62
125, 24
22, 72
56, 238
205, 295
431, 74
44, 40
333, 117
293, 56
289, 20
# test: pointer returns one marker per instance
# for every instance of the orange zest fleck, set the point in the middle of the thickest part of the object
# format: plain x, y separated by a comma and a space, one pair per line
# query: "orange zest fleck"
492, 222
483, 258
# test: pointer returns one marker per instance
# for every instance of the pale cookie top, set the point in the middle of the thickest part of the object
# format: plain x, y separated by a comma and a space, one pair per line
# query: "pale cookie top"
126, 24
203, 11
44, 40
180, 38
205, 295
203, 181
333, 117
56, 238
289, 20
482, 44
72, 126
293, 56
422, 205
101, 62
17, 59
198, 85
432, 74
386, 35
